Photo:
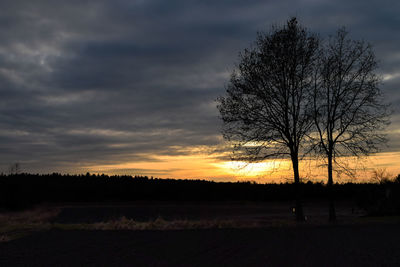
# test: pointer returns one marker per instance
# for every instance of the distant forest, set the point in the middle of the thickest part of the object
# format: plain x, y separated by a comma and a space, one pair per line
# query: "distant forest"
20, 191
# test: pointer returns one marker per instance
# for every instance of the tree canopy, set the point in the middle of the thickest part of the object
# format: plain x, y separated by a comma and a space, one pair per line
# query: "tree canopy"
266, 111
292, 93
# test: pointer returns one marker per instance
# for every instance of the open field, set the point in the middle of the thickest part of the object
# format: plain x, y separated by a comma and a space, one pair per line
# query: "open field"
196, 234
145, 211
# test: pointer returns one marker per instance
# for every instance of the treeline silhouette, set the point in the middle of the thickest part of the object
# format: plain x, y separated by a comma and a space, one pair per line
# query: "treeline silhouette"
20, 191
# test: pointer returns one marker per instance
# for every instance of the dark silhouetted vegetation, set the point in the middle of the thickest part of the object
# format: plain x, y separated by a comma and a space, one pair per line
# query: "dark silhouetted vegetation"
293, 93
25, 190
265, 113
349, 113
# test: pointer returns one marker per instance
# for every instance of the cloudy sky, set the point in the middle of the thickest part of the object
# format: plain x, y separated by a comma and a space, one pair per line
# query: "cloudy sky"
130, 86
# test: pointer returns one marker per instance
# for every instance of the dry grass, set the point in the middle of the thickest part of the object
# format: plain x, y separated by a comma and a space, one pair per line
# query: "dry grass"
160, 224
36, 215
17, 224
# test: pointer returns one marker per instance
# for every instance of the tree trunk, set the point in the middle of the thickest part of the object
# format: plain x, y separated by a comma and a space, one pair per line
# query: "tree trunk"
297, 187
332, 212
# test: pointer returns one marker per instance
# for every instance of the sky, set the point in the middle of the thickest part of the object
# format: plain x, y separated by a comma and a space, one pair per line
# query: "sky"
129, 87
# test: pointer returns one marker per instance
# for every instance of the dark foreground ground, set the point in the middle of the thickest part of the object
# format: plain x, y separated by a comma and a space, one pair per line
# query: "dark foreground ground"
355, 245
261, 213
273, 239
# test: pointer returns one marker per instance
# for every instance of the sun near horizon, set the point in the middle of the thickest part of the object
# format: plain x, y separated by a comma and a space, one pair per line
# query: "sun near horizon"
135, 93
272, 171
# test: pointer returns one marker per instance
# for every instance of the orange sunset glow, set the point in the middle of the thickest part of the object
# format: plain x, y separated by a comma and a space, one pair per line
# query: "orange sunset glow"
199, 133
78, 96
204, 166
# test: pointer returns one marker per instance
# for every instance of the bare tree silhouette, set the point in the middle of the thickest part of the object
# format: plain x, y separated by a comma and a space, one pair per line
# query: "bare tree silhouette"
349, 114
15, 168
266, 110
381, 176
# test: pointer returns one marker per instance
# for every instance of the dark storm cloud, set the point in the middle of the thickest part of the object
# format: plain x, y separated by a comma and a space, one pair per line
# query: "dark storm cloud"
97, 82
